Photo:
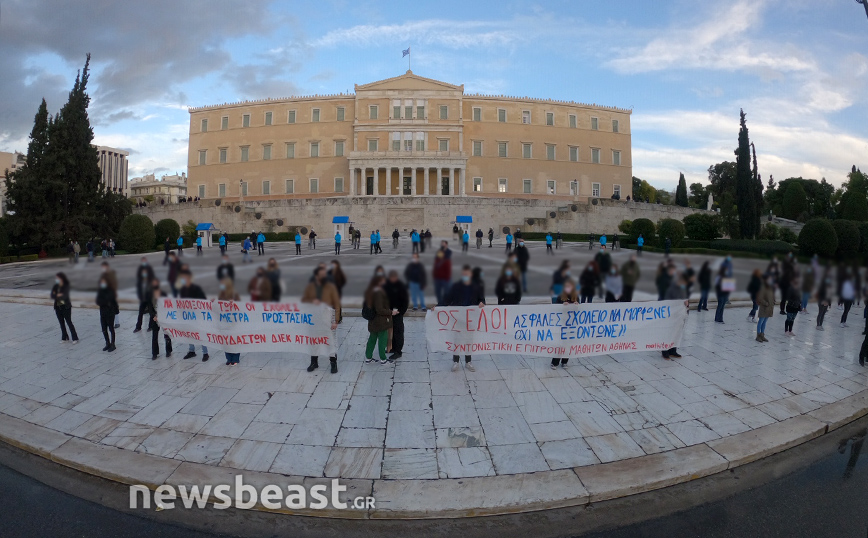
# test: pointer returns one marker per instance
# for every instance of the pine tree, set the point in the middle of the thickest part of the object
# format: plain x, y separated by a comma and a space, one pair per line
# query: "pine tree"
758, 193
744, 186
681, 192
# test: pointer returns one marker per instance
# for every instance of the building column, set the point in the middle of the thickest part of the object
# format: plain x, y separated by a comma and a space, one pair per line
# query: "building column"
451, 181
426, 186
413, 181
462, 187
388, 181
352, 181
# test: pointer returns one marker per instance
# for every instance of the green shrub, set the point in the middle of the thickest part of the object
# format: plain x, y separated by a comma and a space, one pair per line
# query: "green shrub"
626, 226
644, 227
690, 243
673, 229
4, 237
770, 232
167, 228
28, 258
788, 236
702, 226
863, 237
752, 245
818, 237
847, 232
136, 234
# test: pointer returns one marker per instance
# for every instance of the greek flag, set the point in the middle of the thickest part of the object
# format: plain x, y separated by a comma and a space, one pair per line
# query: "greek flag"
405, 52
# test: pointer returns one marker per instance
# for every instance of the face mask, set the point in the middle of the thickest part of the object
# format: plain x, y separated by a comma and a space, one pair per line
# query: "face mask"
508, 273
222, 287
567, 274
612, 271
183, 282
729, 258
465, 279
103, 285
104, 269
144, 264
380, 273
568, 290
521, 244
57, 281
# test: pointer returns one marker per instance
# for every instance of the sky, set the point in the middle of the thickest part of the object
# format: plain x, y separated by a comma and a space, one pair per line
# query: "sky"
798, 68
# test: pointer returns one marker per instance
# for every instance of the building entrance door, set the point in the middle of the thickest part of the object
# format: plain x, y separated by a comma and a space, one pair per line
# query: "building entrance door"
408, 186
444, 186
369, 188
339, 229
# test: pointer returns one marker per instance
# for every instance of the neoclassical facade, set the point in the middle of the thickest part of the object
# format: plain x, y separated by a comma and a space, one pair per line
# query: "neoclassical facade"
408, 136
166, 190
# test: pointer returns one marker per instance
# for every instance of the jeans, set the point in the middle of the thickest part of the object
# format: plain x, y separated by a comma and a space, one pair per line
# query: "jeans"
337, 248
415, 247
754, 307
377, 340
298, 248
416, 295
64, 316
847, 305
441, 288
457, 358
703, 300
722, 299
464, 247
822, 314
508, 247
791, 319
261, 247
478, 243
562, 362
246, 257
233, 358
806, 296
524, 281
193, 349
761, 325
627, 296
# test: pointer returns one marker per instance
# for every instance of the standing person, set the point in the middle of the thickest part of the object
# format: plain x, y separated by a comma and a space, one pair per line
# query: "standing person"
189, 290
559, 277
640, 242
808, 282
724, 285
479, 236
338, 243
794, 304
106, 299
823, 300
320, 291
198, 245
395, 236
465, 241
667, 246
848, 295
167, 246
704, 280
591, 242
376, 310
604, 262
358, 237
273, 273
863, 352
603, 241
259, 287
765, 299
180, 244
104, 246
509, 242
508, 287
490, 237
379, 238
222, 241
253, 239
144, 277
753, 288
225, 270
414, 241
174, 269
351, 235
76, 250
399, 302
153, 322
630, 274
566, 296
689, 276
311, 240
373, 239
415, 275
614, 285
616, 243
246, 246
70, 252
677, 290
588, 283
260, 243
228, 293
89, 248
442, 271
464, 293
336, 276
63, 307
788, 272
428, 238
111, 247
559, 240
476, 277
549, 244
523, 255
112, 278
297, 242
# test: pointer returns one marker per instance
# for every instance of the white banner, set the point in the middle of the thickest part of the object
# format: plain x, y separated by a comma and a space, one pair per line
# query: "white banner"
238, 327
556, 330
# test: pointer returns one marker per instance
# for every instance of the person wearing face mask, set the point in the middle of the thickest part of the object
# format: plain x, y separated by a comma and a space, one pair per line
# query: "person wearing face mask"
476, 278
112, 278
246, 245
225, 270
464, 293
788, 272
180, 244
321, 291
144, 276
336, 276
106, 299
704, 280
630, 274
442, 271
260, 243
415, 275
508, 287
172, 276
490, 238
399, 302
63, 307
765, 301
677, 290
559, 277
188, 290
380, 271
380, 320
588, 281
523, 257
567, 296
614, 285
273, 273
259, 287
604, 264
153, 322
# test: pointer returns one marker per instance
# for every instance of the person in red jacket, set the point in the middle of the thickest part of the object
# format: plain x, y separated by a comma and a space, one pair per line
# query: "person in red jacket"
442, 271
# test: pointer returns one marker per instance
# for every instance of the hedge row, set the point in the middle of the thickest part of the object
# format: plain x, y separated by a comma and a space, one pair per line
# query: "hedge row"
25, 258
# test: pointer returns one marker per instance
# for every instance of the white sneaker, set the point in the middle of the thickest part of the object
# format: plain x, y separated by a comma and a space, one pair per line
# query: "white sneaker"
843, 325
469, 367
820, 328
455, 367
750, 319
554, 366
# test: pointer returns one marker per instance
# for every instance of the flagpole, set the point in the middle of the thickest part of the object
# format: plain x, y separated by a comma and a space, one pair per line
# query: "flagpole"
409, 53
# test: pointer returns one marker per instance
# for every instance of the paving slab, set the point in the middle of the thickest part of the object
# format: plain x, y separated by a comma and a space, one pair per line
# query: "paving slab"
761, 442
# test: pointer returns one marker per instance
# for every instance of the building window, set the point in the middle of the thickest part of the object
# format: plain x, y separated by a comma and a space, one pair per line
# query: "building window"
339, 148
595, 190
245, 120
501, 184
245, 153
373, 112
574, 188
572, 121
420, 141
477, 148
266, 152
526, 151
266, 187
201, 191
551, 186
314, 185
340, 113
477, 184
477, 114
615, 126
408, 112
420, 112
396, 141
396, 112
525, 116
204, 125
526, 186
314, 149
372, 144
616, 190
550, 118
595, 124
223, 152
574, 154
444, 112
408, 144
291, 117
290, 186
339, 184
550, 152
224, 124
243, 188
290, 150
444, 144
501, 115
595, 155
501, 149
221, 190
203, 156
268, 117
616, 158
314, 115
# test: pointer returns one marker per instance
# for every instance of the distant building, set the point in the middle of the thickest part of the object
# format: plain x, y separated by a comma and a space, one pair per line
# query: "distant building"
166, 190
114, 165
8, 162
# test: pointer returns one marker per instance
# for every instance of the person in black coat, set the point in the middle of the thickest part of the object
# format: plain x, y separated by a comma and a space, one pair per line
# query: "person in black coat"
490, 237
508, 288
106, 299
399, 299
144, 277
154, 324
588, 281
523, 258
167, 246
225, 270
63, 307
464, 293
188, 290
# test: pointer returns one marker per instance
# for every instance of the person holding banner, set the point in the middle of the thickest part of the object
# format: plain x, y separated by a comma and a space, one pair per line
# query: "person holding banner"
321, 291
144, 276
588, 283
259, 287
272, 271
630, 274
228, 293
225, 270
188, 290
464, 293
558, 278
376, 311
153, 322
677, 290
614, 285
522, 256
566, 296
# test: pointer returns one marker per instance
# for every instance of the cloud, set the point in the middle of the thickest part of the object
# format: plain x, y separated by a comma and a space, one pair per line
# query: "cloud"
446, 33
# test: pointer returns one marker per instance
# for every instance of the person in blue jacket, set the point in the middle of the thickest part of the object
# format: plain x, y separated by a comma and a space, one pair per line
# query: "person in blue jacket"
465, 241
549, 244
639, 244
603, 241
298, 242
379, 238
222, 244
373, 242
260, 242
199, 246
245, 248
509, 242
338, 242
180, 244
414, 239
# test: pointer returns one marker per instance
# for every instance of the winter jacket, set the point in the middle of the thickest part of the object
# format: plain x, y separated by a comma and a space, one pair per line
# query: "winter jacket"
793, 300
588, 281
705, 278
443, 266
60, 294
398, 296
614, 285
675, 291
225, 270
415, 272
754, 286
508, 290
192, 291
630, 273
259, 288
766, 301
461, 294
604, 260
808, 280
143, 283
328, 295
106, 299
523, 255
383, 319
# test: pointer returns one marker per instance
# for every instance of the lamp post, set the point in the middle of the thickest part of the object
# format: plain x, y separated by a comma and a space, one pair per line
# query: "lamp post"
864, 4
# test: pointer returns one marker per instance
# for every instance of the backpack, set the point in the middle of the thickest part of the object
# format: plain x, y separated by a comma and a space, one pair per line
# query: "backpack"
368, 313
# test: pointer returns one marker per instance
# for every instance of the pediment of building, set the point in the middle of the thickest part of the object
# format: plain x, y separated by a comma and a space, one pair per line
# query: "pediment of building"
409, 81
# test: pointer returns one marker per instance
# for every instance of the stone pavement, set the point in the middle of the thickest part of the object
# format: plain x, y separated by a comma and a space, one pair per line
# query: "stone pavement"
427, 442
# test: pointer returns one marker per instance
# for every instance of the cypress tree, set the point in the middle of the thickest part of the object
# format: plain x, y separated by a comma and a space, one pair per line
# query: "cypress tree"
758, 193
745, 191
681, 192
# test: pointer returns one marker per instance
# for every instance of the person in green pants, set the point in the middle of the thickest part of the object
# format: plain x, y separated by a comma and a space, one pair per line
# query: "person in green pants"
379, 324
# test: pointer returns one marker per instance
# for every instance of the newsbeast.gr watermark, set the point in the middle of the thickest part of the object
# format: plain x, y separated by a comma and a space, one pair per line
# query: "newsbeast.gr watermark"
245, 497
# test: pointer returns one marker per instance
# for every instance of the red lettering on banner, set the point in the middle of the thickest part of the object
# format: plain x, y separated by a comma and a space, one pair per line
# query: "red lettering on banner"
193, 304
226, 306
175, 333
280, 307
